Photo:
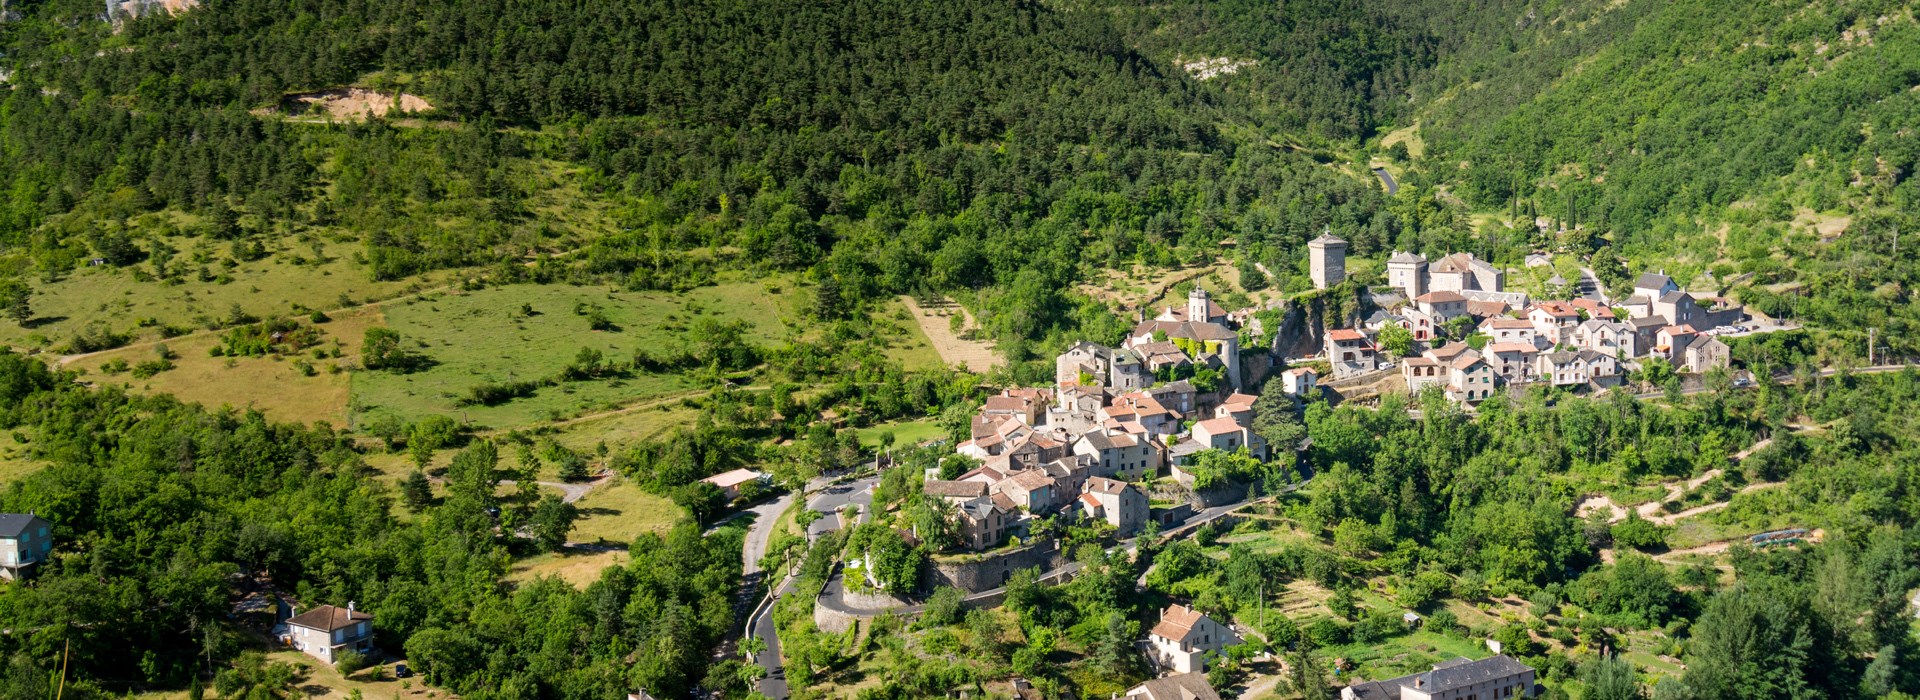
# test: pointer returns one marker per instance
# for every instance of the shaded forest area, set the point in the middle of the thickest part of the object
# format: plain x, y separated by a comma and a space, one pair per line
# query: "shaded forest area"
1013, 148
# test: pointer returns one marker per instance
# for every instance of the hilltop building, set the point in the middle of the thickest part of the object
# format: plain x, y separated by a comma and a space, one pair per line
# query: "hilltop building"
1327, 260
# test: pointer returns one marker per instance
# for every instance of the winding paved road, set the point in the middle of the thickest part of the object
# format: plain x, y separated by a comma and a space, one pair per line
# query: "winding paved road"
760, 624
1386, 179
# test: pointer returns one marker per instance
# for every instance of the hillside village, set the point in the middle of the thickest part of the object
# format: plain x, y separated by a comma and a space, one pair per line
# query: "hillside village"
1453, 324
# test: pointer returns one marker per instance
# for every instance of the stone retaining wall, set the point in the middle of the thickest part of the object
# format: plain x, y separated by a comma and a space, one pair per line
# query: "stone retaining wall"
973, 574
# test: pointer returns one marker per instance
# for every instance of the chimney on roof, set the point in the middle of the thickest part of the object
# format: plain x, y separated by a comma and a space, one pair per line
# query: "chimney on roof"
1420, 681
349, 607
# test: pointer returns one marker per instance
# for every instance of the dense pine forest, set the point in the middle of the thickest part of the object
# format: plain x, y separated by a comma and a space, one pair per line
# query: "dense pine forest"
835, 160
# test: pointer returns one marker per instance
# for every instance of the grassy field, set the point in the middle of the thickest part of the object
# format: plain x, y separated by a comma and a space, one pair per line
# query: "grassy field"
274, 385
322, 682
14, 462
619, 512
621, 429
904, 433
484, 336
907, 341
576, 568
263, 288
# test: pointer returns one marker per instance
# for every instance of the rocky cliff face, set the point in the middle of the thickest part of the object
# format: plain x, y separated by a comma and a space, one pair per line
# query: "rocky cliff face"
1304, 329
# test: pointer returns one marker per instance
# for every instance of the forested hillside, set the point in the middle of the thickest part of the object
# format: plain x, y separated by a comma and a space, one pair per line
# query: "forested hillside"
1012, 147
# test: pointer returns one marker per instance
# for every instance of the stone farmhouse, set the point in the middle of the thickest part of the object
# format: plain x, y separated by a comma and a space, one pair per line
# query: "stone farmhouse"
1495, 678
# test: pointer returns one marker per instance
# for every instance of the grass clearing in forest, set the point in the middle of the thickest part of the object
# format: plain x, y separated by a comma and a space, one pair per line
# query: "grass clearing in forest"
575, 567
532, 332
619, 512
324, 682
937, 322
266, 287
275, 385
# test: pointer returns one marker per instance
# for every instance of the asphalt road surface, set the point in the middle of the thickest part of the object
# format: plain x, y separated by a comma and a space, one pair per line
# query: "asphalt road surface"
760, 625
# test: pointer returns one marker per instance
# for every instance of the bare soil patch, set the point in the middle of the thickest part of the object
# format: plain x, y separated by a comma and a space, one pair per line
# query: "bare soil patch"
352, 104
937, 322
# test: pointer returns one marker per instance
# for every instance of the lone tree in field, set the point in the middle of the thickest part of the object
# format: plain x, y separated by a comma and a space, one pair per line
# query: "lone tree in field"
16, 295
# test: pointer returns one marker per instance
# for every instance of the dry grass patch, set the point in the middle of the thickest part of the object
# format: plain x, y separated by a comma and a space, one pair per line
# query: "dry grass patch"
576, 568
620, 512
274, 385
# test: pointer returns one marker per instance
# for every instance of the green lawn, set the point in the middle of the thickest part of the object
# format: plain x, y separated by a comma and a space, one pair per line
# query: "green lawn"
483, 337
904, 433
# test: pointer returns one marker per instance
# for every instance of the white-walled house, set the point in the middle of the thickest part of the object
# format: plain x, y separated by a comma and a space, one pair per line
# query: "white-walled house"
1183, 637
327, 631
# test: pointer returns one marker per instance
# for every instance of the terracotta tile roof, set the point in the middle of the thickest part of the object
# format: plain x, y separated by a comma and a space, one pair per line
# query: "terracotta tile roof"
1101, 484
1217, 426
328, 618
1176, 621
1507, 324
1556, 308
1440, 297
1345, 334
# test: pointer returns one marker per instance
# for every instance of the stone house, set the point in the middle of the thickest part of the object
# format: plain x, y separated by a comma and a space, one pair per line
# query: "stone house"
1442, 305
1227, 436
1032, 490
1299, 381
1494, 678
1421, 372
982, 522
1142, 410
1183, 637
1554, 320
327, 631
1118, 453
1408, 272
26, 540
1678, 308
1653, 285
1703, 354
1119, 503
1470, 378
1237, 406
1461, 272
1607, 336
1350, 353
1562, 368
1511, 331
1512, 361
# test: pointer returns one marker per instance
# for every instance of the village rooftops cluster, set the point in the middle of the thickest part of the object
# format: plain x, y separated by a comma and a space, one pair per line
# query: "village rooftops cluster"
1572, 343
1110, 418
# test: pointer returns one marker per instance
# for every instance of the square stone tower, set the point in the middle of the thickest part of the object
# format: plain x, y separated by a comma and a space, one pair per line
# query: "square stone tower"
1327, 260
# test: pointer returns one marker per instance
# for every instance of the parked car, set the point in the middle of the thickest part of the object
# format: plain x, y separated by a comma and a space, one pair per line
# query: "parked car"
400, 670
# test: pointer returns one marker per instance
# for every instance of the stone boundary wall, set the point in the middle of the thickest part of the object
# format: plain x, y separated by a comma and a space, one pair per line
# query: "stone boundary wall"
975, 575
